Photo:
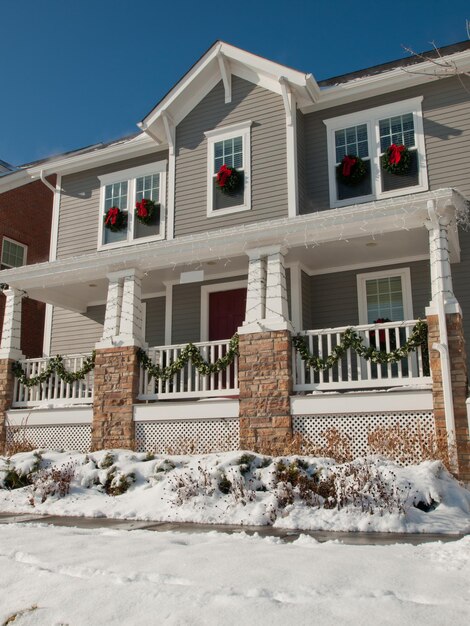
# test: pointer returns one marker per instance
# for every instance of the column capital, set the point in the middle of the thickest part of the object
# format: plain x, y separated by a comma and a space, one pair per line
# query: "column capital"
256, 253
126, 273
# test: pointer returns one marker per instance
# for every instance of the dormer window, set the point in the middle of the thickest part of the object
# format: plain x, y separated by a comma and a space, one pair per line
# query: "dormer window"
230, 147
122, 190
368, 135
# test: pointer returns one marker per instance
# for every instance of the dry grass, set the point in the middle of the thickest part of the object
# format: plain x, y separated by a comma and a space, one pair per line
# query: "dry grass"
17, 438
337, 445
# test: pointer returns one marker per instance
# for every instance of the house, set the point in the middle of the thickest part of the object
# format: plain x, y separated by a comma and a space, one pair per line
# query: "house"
25, 234
255, 200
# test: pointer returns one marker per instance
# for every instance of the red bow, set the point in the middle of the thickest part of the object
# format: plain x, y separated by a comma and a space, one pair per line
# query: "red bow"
382, 331
112, 216
141, 207
395, 154
223, 175
348, 163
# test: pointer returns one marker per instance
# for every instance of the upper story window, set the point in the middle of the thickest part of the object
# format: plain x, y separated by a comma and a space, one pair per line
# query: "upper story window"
122, 190
385, 295
359, 143
13, 254
230, 147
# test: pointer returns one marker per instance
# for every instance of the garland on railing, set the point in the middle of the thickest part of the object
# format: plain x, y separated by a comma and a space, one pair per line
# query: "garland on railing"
56, 364
351, 339
189, 352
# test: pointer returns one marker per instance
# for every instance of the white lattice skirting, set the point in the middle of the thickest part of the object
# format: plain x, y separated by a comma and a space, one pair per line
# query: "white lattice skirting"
60, 437
188, 436
357, 426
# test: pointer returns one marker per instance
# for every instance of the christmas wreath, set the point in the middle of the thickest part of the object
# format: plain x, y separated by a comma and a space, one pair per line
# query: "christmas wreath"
115, 219
397, 159
351, 170
228, 179
145, 210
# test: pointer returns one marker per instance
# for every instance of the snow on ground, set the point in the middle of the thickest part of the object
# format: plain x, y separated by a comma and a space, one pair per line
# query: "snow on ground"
60, 576
371, 494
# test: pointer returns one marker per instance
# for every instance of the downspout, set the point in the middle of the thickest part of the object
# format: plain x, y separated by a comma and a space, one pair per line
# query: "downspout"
443, 346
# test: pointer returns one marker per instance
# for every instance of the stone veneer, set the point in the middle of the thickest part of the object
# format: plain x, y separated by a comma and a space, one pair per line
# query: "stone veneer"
116, 386
7, 381
265, 381
457, 355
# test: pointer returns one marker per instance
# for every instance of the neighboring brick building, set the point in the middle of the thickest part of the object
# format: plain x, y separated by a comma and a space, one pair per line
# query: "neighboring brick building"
25, 232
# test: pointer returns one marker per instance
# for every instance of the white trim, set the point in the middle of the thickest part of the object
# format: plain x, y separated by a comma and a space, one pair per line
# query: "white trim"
55, 219
290, 107
366, 264
168, 313
130, 176
371, 118
50, 416
226, 76
362, 402
16, 243
176, 411
47, 337
296, 296
208, 289
405, 275
242, 129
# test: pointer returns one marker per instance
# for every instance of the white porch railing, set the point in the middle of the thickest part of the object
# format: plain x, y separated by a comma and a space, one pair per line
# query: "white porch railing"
188, 382
54, 391
354, 372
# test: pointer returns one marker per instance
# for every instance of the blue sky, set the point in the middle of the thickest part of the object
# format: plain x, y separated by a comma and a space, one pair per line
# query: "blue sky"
77, 72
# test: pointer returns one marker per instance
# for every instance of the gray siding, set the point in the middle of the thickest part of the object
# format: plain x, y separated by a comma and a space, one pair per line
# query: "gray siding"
306, 301
334, 296
186, 322
74, 333
80, 206
446, 112
79, 332
268, 156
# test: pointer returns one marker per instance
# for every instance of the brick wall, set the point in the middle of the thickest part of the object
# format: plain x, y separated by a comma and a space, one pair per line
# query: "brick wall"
6, 397
115, 391
25, 216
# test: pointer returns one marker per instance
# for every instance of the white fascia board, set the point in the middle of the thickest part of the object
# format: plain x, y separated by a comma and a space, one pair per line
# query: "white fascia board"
138, 146
386, 82
347, 222
217, 408
50, 416
14, 180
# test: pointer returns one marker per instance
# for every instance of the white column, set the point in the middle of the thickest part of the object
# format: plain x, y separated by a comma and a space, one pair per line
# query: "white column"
10, 346
123, 321
266, 301
439, 256
131, 323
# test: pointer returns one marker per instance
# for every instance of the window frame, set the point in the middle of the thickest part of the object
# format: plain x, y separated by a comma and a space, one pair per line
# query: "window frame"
371, 117
401, 272
130, 176
243, 130
16, 243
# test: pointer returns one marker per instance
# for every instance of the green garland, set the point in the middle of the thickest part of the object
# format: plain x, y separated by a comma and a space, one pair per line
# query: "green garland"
56, 364
351, 339
189, 352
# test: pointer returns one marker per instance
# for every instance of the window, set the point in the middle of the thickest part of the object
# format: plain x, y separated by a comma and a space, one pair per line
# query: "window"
368, 135
13, 254
122, 190
228, 146
385, 295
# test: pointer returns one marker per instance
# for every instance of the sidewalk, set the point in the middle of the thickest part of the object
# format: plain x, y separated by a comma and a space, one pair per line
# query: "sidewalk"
286, 535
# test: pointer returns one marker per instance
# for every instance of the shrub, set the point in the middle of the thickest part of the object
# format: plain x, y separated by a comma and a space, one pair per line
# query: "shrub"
54, 481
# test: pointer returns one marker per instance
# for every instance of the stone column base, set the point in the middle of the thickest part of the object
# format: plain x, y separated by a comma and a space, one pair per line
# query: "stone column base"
116, 384
458, 362
7, 381
265, 380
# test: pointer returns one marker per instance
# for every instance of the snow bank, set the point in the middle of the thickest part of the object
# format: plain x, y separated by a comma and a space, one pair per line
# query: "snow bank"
370, 494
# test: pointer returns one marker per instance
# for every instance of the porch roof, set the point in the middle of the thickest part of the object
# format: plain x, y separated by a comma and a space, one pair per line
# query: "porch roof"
66, 282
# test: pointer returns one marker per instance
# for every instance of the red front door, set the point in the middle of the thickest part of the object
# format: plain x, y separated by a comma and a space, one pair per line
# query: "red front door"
226, 313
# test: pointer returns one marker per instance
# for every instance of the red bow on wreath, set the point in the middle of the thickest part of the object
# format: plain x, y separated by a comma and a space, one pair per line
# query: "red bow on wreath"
395, 153
223, 174
112, 216
141, 207
382, 331
348, 163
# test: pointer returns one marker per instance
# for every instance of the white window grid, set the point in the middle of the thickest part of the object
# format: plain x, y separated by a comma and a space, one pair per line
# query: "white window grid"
365, 281
398, 130
123, 189
384, 299
13, 253
228, 152
352, 141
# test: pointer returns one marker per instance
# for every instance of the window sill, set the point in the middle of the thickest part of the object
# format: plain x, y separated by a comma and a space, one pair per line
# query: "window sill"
126, 244
385, 195
228, 211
